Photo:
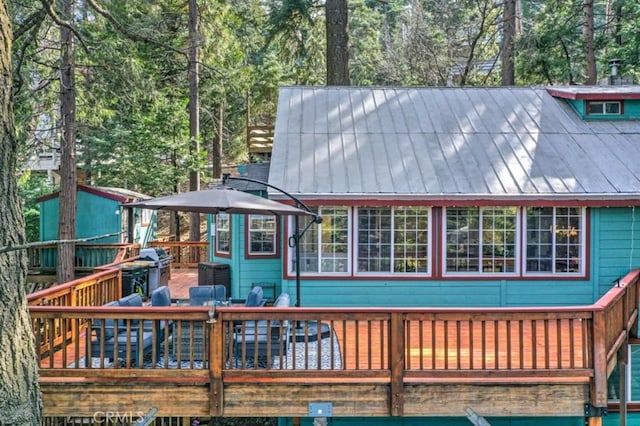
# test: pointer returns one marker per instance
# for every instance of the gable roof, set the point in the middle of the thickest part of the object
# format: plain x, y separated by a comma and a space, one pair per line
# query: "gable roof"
117, 194
443, 144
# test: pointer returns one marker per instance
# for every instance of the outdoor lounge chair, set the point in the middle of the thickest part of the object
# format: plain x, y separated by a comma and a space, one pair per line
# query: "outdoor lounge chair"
268, 338
200, 295
110, 334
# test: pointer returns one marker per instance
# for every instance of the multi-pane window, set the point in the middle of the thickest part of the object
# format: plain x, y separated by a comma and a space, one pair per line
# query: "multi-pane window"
555, 240
393, 240
481, 240
223, 233
262, 234
604, 107
475, 241
324, 247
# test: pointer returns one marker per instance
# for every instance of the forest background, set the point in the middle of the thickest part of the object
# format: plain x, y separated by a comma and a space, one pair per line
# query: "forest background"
131, 66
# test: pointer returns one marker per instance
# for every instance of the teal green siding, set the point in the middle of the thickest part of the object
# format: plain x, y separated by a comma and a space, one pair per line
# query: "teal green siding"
95, 216
614, 249
631, 110
616, 245
247, 271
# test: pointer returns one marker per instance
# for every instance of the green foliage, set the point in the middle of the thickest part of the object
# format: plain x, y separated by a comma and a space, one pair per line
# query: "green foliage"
31, 187
132, 88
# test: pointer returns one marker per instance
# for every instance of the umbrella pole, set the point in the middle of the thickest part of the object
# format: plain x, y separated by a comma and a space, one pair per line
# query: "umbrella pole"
297, 241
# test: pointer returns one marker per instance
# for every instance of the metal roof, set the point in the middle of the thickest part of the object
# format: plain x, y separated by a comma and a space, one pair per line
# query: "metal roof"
448, 143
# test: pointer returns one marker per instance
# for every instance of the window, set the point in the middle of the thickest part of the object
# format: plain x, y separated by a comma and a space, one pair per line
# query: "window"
324, 248
262, 235
223, 233
555, 240
604, 108
480, 240
393, 240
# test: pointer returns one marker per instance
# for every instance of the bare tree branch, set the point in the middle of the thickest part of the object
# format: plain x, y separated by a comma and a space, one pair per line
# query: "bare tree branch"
7, 249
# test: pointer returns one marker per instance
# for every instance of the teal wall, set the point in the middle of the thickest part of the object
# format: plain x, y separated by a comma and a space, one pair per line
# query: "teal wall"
616, 244
614, 250
94, 216
244, 271
631, 110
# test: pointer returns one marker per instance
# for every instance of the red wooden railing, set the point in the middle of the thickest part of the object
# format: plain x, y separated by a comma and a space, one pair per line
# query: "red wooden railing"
386, 345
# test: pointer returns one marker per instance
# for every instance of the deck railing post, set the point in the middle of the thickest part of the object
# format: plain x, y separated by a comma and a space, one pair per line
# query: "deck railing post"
216, 362
598, 386
397, 353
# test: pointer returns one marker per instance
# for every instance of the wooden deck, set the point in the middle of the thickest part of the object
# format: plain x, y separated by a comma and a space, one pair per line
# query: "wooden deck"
373, 362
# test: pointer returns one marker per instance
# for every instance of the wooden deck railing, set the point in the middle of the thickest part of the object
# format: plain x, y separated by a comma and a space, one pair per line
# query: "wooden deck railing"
87, 256
184, 254
394, 346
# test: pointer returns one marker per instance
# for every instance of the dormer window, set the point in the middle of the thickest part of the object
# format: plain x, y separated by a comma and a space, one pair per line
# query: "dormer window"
604, 107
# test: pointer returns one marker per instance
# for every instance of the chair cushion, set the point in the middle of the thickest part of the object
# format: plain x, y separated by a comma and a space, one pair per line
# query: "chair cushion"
283, 301
134, 299
200, 295
255, 298
220, 292
109, 324
161, 296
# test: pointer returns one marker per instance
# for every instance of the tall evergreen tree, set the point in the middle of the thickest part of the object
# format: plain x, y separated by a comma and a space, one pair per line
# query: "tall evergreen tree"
20, 400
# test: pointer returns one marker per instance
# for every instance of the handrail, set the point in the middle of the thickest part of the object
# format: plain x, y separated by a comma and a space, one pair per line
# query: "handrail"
569, 344
184, 254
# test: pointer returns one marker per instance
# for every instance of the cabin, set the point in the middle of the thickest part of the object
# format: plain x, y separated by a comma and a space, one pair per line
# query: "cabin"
99, 212
450, 198
476, 260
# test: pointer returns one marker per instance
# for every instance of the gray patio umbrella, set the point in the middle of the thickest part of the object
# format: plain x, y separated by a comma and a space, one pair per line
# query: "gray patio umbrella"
217, 200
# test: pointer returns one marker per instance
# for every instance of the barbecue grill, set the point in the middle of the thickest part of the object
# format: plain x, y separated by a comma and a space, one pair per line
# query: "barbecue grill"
159, 264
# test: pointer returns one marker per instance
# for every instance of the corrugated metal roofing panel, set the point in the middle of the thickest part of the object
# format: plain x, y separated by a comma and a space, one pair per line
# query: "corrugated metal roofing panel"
346, 142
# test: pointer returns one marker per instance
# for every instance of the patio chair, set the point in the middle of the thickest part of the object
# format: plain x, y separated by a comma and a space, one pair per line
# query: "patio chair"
161, 296
255, 297
267, 339
105, 337
200, 295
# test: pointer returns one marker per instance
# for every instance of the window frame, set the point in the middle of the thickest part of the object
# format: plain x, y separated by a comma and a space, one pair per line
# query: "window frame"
217, 251
249, 232
582, 243
481, 272
604, 108
392, 244
316, 231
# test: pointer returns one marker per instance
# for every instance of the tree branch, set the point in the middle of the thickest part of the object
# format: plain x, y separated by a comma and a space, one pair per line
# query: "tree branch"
34, 20
48, 6
131, 36
7, 249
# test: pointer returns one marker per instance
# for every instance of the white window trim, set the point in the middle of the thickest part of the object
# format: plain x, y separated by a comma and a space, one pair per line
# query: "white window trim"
356, 231
275, 236
217, 235
583, 249
517, 255
318, 272
604, 107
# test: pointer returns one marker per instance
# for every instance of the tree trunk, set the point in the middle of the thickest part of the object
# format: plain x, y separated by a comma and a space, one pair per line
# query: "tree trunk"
216, 148
590, 54
337, 43
194, 112
68, 174
508, 37
20, 401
